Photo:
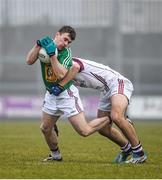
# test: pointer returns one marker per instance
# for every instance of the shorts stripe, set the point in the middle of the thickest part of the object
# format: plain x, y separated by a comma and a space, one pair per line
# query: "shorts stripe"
120, 86
78, 108
77, 105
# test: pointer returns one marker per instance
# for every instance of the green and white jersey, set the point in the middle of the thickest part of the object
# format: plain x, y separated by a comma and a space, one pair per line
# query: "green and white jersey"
65, 58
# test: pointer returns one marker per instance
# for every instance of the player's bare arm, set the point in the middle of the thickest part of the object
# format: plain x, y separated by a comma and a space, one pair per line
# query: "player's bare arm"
59, 70
32, 55
70, 75
59, 87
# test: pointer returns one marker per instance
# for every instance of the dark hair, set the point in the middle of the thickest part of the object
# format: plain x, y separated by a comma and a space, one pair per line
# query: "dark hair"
68, 29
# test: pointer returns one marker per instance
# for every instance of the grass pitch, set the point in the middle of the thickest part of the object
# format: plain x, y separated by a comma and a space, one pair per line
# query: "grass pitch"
22, 149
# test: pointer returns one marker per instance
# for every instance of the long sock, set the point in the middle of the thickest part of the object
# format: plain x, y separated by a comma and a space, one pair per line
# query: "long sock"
127, 148
53, 150
138, 150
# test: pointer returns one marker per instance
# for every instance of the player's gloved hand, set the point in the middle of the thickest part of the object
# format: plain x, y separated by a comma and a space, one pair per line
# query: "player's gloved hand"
57, 89
48, 44
50, 48
44, 41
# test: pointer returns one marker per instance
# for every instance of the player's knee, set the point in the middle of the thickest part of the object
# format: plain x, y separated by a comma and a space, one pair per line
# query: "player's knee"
44, 128
116, 118
119, 120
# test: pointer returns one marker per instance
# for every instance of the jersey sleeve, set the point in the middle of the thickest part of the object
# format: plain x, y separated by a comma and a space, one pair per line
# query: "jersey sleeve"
66, 58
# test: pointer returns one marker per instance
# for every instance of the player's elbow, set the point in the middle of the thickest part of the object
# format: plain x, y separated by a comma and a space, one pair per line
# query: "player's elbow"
30, 60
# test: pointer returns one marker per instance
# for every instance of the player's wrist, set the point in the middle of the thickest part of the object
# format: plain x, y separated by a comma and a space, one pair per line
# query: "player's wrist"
51, 54
60, 86
38, 43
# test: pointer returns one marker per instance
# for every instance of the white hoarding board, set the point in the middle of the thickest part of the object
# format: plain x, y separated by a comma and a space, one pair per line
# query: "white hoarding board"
146, 107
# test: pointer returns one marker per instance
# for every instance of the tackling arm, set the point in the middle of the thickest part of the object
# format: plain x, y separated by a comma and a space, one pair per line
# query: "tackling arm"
70, 74
58, 88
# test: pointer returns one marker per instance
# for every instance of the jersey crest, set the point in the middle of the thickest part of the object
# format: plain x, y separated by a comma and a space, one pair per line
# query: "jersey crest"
49, 74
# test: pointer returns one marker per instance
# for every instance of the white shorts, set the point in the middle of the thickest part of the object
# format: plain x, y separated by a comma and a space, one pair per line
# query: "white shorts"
68, 103
118, 86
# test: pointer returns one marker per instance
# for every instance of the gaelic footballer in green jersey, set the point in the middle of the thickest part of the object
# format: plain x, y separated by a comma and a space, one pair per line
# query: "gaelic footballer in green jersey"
64, 57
